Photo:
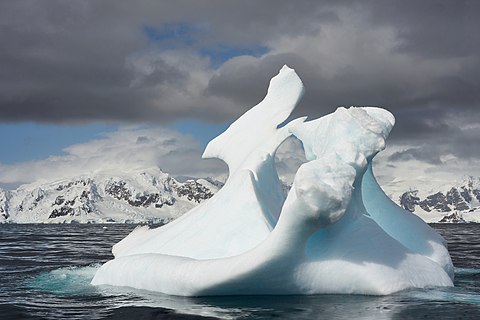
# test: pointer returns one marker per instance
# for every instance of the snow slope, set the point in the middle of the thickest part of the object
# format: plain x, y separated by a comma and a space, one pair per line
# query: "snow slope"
330, 235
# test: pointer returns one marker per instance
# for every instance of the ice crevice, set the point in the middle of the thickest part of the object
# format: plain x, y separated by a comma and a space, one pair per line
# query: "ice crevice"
336, 231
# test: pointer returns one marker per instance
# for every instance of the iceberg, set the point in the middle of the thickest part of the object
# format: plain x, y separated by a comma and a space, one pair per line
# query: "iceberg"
335, 232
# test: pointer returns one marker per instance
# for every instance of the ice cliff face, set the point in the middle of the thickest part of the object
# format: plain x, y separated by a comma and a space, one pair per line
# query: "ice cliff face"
139, 196
459, 202
335, 232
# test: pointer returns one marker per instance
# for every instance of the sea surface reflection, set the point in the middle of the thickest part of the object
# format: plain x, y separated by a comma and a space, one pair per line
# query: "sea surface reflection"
45, 273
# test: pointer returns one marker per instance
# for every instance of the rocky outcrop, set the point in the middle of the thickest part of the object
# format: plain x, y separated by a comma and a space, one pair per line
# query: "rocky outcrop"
409, 200
453, 218
193, 191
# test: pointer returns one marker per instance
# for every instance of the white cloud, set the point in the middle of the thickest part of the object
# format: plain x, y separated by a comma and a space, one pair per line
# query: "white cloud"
396, 177
125, 149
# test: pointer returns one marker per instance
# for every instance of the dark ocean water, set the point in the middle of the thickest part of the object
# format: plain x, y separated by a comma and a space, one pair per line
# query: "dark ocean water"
45, 273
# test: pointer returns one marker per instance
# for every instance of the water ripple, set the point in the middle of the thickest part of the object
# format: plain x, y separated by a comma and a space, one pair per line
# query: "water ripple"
45, 273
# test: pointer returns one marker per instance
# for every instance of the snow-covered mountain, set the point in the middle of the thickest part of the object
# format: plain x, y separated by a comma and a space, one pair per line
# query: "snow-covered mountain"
154, 196
457, 203
135, 196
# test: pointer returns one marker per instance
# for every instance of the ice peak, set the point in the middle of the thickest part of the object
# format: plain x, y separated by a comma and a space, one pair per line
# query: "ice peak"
257, 127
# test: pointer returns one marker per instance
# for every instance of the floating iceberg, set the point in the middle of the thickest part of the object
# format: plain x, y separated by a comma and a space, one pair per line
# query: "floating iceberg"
336, 231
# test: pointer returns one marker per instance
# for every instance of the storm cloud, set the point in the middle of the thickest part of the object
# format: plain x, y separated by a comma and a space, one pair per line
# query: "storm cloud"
160, 61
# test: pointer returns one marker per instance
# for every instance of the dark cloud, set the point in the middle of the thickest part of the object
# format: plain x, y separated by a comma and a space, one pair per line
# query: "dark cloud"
438, 140
416, 153
432, 28
80, 61
70, 61
142, 139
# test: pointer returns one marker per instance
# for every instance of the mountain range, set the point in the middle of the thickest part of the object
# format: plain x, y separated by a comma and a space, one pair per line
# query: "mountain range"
458, 203
152, 195
115, 196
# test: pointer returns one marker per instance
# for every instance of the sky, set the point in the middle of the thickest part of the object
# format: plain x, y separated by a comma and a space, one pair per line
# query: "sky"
91, 84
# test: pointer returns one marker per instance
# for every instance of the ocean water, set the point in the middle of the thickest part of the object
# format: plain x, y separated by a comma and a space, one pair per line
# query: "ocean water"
45, 273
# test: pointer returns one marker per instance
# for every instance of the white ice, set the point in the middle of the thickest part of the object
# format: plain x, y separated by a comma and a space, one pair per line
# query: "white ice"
336, 232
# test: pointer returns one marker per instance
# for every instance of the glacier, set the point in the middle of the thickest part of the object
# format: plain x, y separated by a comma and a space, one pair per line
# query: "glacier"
335, 232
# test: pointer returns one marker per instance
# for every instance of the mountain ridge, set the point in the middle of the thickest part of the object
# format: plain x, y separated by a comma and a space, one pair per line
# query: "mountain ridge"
151, 195
457, 203
148, 195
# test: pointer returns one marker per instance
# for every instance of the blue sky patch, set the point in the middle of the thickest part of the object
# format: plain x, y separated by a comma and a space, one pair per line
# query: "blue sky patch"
179, 32
32, 141
201, 131
185, 34
219, 54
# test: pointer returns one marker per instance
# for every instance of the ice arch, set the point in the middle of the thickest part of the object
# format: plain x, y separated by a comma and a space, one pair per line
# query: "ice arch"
330, 235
